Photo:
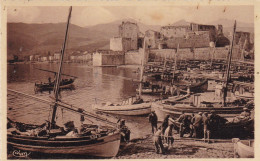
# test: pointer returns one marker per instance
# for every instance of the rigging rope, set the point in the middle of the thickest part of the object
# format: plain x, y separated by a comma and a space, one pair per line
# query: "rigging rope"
65, 106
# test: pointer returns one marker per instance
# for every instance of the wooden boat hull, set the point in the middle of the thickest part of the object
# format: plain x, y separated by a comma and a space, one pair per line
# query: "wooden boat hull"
243, 148
106, 146
47, 86
128, 110
162, 110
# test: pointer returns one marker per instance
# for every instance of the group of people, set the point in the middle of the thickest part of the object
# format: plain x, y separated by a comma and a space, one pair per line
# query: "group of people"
200, 125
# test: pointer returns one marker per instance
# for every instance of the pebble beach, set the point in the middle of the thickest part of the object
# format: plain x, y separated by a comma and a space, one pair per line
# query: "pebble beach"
182, 148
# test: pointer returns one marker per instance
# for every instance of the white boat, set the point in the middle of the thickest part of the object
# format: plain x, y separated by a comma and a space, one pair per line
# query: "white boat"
127, 110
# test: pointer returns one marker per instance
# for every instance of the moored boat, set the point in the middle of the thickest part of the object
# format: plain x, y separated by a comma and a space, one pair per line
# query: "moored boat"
176, 106
127, 110
64, 84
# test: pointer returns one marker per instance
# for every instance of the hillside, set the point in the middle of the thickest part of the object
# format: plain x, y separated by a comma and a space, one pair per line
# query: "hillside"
26, 39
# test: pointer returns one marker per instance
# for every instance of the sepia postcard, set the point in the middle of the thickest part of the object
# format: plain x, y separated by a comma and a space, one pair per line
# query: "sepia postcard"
129, 79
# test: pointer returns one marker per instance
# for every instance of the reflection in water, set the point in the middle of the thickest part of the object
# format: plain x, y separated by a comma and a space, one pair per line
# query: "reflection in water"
89, 85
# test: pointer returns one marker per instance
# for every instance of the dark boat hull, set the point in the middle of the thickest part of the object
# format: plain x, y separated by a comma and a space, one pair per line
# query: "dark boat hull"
106, 146
49, 86
162, 110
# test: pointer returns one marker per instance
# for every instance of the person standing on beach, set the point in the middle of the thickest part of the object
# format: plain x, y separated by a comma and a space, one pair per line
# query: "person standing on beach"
206, 131
197, 124
191, 125
168, 135
165, 123
153, 120
157, 139
184, 123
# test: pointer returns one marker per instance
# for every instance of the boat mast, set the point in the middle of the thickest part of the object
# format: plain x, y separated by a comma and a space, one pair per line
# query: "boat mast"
212, 56
228, 67
58, 77
175, 63
142, 70
164, 65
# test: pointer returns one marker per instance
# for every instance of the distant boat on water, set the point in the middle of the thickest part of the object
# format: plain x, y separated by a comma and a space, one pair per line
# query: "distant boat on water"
64, 84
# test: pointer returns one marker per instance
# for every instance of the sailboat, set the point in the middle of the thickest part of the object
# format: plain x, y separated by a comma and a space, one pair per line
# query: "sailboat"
131, 107
49, 138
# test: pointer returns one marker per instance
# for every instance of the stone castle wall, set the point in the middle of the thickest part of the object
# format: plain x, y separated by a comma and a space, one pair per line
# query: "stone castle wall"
133, 58
197, 39
100, 59
195, 54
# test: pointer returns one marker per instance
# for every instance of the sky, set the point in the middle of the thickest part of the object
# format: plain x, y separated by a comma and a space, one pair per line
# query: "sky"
150, 15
